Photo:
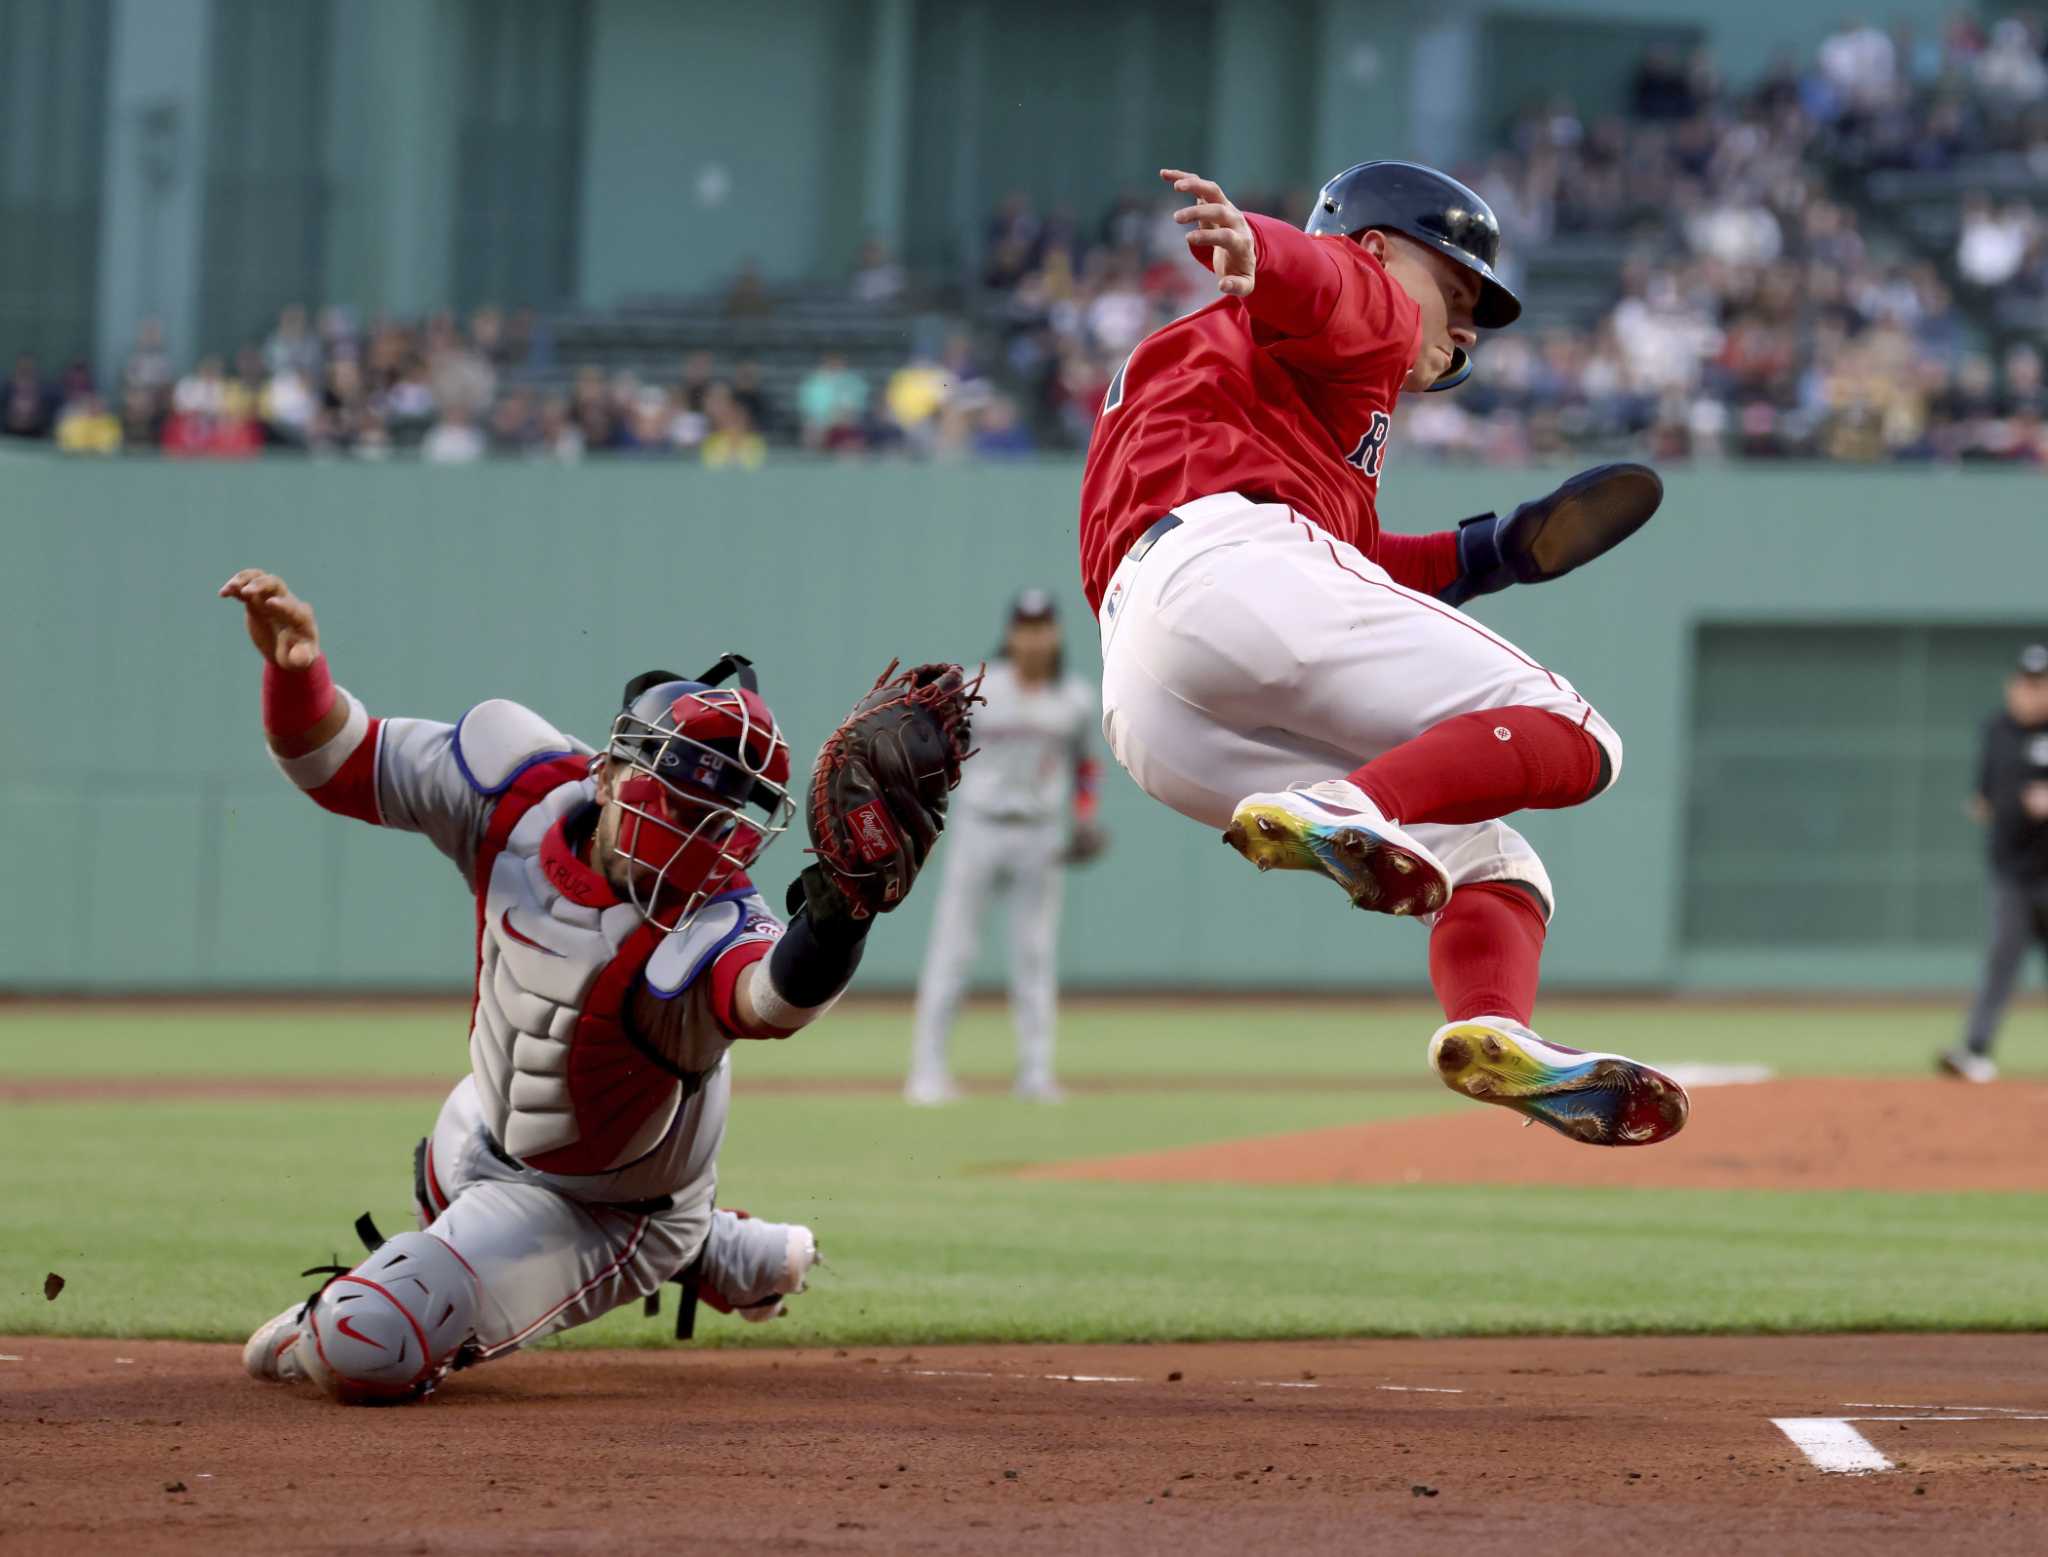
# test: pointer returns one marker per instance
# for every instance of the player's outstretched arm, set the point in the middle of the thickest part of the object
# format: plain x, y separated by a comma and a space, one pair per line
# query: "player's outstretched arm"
1592, 513
1286, 278
301, 712
402, 773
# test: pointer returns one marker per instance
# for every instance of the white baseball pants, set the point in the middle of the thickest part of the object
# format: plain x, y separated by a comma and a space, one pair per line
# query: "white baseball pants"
1250, 649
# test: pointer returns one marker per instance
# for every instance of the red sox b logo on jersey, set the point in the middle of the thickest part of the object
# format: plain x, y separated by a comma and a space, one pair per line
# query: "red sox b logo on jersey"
1372, 447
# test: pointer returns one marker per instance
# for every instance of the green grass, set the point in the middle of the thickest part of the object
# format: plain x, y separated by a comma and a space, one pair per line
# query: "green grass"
1223, 1037
191, 1218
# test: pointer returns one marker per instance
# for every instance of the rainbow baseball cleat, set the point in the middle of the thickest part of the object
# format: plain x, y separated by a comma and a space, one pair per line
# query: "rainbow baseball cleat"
1600, 1099
1333, 827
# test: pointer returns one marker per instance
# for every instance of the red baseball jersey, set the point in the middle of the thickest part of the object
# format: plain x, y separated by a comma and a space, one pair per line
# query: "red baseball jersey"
1286, 396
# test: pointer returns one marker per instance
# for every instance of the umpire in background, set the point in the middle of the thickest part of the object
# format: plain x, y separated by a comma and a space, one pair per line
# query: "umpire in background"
2012, 797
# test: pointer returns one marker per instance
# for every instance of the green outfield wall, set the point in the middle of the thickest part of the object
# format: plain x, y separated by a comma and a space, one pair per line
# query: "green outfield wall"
1797, 660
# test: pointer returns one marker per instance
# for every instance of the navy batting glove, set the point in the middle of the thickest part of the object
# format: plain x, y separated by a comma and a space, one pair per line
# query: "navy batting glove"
1588, 516
1483, 565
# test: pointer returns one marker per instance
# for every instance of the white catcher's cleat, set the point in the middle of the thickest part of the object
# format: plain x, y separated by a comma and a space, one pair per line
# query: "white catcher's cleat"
272, 1353
751, 1265
801, 1253
1334, 827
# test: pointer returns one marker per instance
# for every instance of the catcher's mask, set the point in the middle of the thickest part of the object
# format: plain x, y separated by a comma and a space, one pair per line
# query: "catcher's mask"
701, 773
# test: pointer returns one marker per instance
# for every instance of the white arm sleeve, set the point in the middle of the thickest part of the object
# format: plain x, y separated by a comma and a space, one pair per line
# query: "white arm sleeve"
317, 766
776, 1011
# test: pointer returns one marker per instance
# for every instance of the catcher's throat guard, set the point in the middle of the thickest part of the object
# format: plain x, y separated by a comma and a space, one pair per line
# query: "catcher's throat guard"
700, 774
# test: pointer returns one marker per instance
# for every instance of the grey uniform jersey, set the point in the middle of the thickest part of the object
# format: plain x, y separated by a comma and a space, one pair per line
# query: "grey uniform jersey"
1028, 741
569, 1175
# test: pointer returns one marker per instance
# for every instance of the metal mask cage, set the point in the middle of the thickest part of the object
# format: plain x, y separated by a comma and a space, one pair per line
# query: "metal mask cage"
713, 786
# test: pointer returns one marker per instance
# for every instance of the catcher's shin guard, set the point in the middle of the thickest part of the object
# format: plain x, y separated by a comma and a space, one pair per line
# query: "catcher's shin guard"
388, 1329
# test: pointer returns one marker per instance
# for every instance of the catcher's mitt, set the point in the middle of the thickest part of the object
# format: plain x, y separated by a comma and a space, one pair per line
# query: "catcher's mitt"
880, 785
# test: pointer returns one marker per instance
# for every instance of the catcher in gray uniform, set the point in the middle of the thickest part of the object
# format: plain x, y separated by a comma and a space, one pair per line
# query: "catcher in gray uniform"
623, 952
1025, 810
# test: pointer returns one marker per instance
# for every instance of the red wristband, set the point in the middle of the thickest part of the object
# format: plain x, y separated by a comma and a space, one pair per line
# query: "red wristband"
296, 700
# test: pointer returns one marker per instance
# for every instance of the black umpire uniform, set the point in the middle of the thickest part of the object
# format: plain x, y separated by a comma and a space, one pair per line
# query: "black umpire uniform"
2012, 790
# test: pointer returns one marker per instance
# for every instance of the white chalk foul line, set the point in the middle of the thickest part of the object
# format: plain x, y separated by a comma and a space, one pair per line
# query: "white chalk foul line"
1832, 1444
1948, 1416
1125, 1378
1903, 1405
1696, 1074
1056, 1378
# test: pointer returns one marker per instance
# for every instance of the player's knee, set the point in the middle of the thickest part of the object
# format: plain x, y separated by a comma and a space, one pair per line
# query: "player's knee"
1609, 741
388, 1329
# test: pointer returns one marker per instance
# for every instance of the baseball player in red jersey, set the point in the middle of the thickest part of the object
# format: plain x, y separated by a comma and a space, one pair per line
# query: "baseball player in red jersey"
1277, 666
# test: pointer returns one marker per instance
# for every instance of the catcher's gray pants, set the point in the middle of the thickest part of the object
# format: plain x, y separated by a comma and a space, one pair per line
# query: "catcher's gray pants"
2019, 915
986, 858
546, 1262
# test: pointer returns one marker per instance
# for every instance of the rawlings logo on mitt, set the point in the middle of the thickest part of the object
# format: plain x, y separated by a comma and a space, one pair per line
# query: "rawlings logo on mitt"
880, 786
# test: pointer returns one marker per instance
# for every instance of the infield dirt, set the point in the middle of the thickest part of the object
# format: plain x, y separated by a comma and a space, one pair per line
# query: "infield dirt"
1806, 1133
1521, 1446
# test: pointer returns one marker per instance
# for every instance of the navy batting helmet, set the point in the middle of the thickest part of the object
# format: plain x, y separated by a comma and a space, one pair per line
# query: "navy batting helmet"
1435, 210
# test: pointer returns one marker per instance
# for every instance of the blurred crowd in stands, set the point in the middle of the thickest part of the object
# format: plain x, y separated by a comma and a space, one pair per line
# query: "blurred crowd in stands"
1753, 317
454, 391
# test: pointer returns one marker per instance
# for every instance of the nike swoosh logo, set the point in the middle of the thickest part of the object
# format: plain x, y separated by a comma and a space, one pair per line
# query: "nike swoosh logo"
505, 922
354, 1334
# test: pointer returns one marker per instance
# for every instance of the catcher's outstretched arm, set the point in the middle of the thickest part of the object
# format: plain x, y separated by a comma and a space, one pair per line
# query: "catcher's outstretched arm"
810, 967
300, 710
322, 737
415, 775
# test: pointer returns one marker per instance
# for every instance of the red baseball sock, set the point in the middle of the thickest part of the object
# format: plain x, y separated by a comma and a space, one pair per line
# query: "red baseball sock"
1474, 767
1486, 952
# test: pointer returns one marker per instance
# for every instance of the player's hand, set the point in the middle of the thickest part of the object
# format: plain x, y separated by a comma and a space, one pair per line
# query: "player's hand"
2034, 801
1087, 844
1222, 236
280, 624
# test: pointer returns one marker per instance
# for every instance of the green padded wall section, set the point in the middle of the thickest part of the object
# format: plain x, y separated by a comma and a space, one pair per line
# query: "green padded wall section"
151, 844
1831, 765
